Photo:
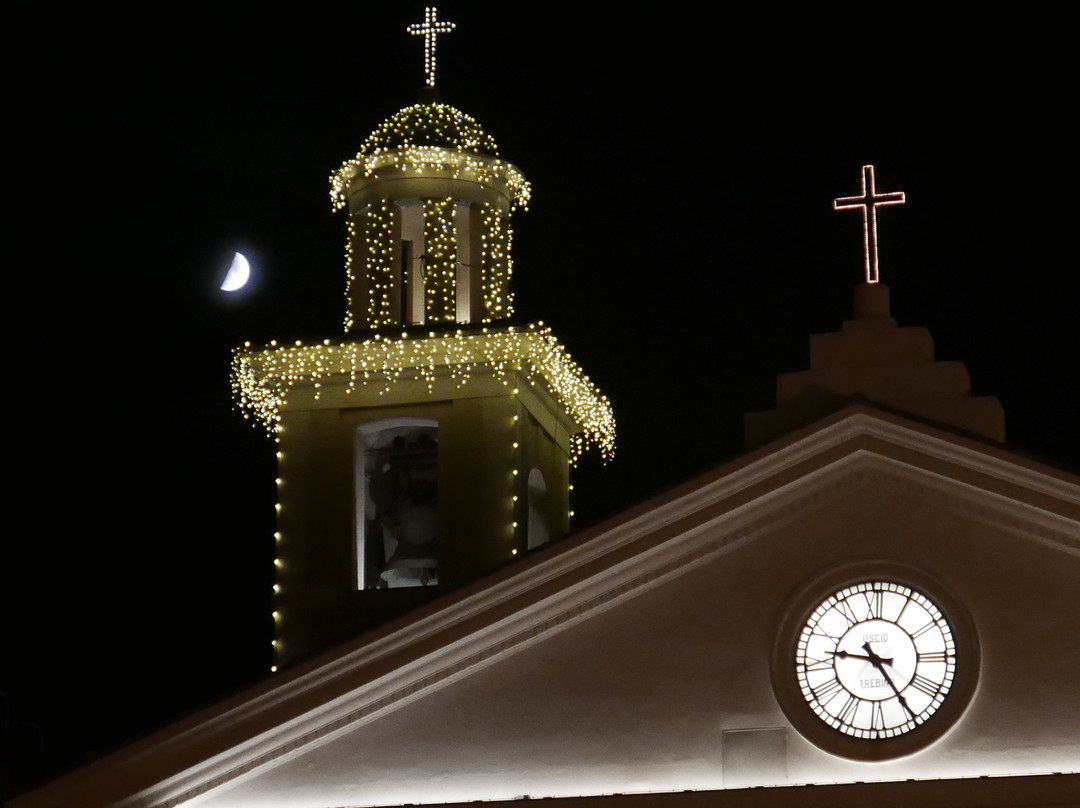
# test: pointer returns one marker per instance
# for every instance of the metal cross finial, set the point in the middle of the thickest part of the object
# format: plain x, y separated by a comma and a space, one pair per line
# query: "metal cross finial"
430, 28
869, 200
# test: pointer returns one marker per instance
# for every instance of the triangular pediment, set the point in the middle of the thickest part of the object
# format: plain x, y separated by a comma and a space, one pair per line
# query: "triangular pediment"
637, 656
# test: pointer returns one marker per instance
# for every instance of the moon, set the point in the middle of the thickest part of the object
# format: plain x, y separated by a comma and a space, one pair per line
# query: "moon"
238, 274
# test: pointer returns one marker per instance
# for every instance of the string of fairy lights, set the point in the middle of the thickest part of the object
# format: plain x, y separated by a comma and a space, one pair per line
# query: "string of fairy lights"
426, 139
440, 274
430, 29
263, 378
430, 141
496, 238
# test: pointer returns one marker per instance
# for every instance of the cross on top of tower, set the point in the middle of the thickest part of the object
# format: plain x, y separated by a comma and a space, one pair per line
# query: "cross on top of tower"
869, 201
430, 29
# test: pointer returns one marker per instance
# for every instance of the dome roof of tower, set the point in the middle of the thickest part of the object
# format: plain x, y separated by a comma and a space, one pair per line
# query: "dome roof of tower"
430, 125
430, 139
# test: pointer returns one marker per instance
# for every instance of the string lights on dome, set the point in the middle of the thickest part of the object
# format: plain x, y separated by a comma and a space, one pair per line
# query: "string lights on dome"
425, 139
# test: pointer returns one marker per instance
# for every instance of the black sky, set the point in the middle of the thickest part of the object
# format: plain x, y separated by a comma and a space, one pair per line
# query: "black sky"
681, 244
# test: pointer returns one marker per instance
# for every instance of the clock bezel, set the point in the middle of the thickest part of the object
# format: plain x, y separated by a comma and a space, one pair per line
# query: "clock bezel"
799, 610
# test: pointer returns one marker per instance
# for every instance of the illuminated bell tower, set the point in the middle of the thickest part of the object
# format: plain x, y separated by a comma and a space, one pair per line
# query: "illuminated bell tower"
434, 442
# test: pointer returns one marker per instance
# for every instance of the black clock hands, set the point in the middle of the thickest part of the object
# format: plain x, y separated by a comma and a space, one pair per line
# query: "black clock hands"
879, 663
849, 655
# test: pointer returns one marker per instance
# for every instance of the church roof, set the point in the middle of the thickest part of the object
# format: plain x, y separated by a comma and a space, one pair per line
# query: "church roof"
504, 682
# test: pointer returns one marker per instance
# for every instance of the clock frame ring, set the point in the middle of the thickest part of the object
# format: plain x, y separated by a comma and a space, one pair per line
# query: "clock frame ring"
825, 698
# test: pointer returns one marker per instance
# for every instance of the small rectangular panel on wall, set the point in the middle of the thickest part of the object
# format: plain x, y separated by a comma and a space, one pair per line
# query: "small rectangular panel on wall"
754, 757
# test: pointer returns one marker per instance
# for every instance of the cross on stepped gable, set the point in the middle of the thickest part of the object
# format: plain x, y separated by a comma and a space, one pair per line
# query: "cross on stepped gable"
869, 201
430, 29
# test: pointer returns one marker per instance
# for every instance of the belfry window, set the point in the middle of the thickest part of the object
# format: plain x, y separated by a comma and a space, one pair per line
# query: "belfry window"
397, 498
412, 262
538, 532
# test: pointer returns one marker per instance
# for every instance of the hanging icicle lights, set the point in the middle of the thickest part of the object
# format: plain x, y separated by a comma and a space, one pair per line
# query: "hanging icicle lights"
262, 379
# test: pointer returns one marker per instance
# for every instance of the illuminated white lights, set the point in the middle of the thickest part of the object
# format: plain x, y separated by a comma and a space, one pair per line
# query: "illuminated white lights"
869, 200
262, 380
430, 139
439, 143
430, 29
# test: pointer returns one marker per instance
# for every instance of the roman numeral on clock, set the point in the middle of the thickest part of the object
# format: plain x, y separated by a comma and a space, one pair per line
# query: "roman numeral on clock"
825, 692
847, 612
933, 656
924, 685
924, 629
847, 712
874, 603
817, 664
877, 716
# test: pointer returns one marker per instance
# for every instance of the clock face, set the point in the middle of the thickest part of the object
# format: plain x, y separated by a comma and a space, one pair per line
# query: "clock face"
875, 660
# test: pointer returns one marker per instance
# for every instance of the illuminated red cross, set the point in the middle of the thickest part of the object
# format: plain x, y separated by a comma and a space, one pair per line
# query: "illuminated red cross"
869, 200
430, 28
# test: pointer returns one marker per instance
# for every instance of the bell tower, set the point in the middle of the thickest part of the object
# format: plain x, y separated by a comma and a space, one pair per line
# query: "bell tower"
433, 442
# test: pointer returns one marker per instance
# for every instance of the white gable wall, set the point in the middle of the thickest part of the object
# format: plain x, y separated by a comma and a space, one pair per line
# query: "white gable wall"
637, 656
641, 678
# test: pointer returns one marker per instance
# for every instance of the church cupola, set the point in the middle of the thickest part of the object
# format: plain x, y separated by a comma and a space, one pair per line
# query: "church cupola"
434, 442
429, 204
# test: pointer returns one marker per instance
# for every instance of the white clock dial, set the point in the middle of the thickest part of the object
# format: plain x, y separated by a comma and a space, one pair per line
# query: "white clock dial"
875, 660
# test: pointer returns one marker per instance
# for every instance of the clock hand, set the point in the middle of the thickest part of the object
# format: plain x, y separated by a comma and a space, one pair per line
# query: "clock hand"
878, 663
849, 655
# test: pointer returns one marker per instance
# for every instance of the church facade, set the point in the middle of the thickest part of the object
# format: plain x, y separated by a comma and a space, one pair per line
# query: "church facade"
876, 602
661, 657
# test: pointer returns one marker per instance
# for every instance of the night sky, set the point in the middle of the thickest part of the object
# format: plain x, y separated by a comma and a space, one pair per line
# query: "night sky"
681, 243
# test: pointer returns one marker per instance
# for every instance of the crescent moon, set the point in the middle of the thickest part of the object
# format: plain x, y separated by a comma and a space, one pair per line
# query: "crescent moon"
238, 274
